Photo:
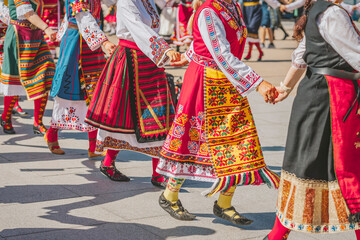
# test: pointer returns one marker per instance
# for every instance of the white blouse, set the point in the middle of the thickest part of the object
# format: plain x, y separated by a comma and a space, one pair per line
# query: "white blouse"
213, 34
138, 21
336, 28
4, 15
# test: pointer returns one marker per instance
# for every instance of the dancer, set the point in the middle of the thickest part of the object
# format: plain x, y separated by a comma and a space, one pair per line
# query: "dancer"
28, 67
132, 103
80, 63
52, 16
320, 182
213, 137
181, 34
253, 14
110, 19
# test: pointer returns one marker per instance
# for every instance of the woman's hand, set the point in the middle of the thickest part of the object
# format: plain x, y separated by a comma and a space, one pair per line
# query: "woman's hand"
282, 94
51, 34
173, 55
282, 8
109, 46
268, 91
183, 61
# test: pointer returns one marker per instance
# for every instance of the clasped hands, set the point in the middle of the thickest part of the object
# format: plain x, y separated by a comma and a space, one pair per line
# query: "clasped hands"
272, 94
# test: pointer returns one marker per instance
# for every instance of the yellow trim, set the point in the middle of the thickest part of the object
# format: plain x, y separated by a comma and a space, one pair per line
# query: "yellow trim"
247, 4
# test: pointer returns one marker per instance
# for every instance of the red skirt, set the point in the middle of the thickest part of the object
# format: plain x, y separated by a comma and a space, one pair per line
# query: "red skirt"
132, 96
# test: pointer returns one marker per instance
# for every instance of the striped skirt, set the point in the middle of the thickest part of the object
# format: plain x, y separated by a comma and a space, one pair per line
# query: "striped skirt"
27, 62
132, 101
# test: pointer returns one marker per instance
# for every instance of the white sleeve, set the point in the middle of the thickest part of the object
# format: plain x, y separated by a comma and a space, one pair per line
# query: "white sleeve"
90, 30
295, 5
273, 3
149, 41
336, 28
109, 3
4, 13
347, 7
189, 51
213, 34
297, 55
64, 26
22, 10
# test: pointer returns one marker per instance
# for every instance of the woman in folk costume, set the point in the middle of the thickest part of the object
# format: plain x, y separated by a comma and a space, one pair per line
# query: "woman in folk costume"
213, 137
320, 182
28, 67
78, 69
252, 16
132, 103
181, 34
51, 17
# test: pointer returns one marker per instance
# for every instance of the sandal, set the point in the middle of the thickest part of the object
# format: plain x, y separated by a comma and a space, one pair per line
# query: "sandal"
116, 174
7, 130
54, 146
167, 206
94, 155
21, 113
39, 129
220, 212
156, 183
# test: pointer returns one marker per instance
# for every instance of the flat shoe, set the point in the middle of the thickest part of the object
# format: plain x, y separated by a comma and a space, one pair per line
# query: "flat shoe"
52, 146
220, 212
167, 206
40, 129
94, 155
20, 113
156, 183
116, 174
7, 131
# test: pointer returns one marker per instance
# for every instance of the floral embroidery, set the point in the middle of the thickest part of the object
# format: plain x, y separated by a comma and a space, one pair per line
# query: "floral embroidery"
71, 116
203, 61
79, 6
94, 37
153, 14
159, 48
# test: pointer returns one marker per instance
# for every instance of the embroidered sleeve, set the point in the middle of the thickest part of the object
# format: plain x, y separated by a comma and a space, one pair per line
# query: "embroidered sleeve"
78, 6
22, 7
145, 35
297, 55
4, 13
90, 30
337, 29
64, 26
213, 34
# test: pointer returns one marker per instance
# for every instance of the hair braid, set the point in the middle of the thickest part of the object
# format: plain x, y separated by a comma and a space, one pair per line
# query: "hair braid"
301, 23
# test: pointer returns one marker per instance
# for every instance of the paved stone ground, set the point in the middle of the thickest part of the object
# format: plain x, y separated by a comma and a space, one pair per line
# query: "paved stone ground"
43, 196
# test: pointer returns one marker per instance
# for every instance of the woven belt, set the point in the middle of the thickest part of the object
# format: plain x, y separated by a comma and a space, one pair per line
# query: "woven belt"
336, 73
24, 24
73, 26
247, 4
203, 61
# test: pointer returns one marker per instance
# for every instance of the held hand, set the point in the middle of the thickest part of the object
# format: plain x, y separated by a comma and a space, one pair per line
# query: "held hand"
109, 46
282, 8
183, 61
282, 94
51, 34
268, 91
173, 55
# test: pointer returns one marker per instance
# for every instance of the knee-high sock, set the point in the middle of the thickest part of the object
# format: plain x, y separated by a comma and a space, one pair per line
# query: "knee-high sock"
155, 162
16, 103
110, 157
9, 102
92, 140
39, 109
259, 48
279, 232
52, 134
171, 192
357, 233
250, 49
225, 198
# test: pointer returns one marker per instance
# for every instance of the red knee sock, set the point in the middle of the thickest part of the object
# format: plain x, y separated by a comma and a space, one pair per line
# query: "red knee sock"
92, 140
155, 162
259, 49
248, 56
9, 102
39, 109
357, 233
110, 157
279, 232
52, 134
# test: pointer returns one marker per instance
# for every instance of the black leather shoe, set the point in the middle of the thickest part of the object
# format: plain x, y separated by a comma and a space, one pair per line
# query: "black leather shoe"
39, 129
7, 131
116, 174
220, 212
156, 183
20, 113
167, 206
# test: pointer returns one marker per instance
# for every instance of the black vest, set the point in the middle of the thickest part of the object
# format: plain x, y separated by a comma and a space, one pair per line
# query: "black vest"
319, 53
